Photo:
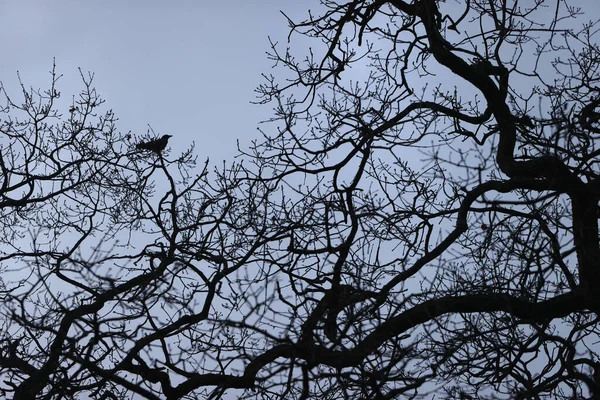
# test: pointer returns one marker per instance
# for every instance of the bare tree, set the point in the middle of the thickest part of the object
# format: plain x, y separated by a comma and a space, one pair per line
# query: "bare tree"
112, 256
448, 161
422, 220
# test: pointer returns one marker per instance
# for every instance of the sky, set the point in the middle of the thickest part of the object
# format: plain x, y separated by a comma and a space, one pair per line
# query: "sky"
184, 67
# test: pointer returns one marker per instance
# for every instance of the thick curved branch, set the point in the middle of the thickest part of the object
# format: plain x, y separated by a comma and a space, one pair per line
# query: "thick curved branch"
544, 311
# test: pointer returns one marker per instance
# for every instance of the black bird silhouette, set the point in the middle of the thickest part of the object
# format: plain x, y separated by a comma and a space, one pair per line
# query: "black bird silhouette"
156, 145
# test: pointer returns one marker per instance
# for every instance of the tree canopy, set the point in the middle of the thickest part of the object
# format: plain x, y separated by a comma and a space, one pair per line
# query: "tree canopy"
419, 219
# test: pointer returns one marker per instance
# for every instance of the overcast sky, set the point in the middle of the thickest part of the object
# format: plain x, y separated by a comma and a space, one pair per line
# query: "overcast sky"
186, 67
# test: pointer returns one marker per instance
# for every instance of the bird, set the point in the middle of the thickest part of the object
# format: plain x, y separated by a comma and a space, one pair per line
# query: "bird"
156, 145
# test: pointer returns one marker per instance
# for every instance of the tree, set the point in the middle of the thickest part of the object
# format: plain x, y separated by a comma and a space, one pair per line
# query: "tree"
108, 252
424, 219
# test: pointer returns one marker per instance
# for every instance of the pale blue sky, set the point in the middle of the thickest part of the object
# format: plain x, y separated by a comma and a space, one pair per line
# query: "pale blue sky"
187, 68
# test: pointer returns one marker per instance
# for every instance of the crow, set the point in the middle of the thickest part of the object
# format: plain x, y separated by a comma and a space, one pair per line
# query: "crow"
156, 145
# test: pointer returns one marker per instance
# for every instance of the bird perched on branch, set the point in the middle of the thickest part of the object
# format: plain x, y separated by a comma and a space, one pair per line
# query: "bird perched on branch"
156, 145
